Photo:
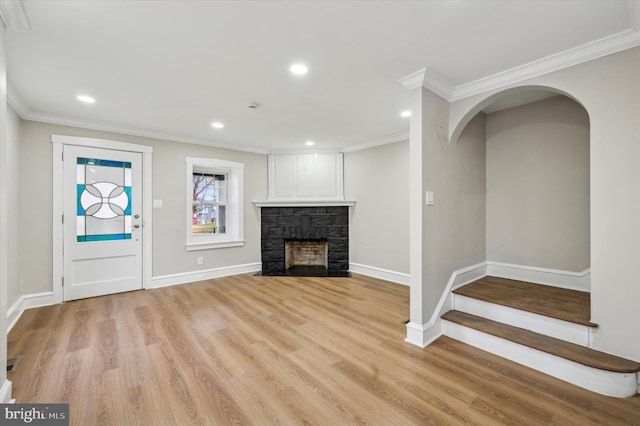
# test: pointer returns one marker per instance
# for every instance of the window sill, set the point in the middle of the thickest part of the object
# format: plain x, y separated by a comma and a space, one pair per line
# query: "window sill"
214, 245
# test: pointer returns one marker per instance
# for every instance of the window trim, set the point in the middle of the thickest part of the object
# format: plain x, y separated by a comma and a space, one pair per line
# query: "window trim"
234, 236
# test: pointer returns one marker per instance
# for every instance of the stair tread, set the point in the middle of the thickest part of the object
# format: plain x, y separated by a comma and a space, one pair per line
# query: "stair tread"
571, 351
563, 304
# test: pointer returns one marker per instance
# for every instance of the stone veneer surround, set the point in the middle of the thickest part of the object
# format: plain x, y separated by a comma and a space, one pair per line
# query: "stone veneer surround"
330, 223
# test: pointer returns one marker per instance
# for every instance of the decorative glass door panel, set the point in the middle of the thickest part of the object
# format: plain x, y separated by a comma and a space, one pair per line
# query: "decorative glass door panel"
102, 221
104, 200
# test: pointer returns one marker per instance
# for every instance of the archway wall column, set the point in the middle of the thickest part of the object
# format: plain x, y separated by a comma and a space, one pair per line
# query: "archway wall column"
450, 234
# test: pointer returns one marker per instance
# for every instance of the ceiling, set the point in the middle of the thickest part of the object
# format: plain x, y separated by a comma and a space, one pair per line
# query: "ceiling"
168, 69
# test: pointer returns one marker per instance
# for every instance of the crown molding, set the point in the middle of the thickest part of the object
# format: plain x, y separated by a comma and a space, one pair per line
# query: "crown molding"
619, 42
413, 80
13, 15
438, 84
605, 46
428, 78
92, 125
15, 101
399, 137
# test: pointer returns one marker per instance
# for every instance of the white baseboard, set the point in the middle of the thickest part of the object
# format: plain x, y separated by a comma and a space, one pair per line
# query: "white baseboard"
189, 277
25, 302
465, 276
383, 274
423, 334
580, 281
5, 392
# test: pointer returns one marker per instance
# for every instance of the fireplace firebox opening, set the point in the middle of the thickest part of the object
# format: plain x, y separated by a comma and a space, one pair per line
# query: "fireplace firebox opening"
306, 253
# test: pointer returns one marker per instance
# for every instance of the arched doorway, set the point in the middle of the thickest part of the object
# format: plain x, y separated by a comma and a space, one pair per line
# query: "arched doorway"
538, 178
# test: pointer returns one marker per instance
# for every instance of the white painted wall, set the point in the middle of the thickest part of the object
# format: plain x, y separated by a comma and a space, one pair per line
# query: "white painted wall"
609, 89
169, 174
538, 185
378, 179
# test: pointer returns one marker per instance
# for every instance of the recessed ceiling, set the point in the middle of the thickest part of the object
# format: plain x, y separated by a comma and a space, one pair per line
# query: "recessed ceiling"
168, 68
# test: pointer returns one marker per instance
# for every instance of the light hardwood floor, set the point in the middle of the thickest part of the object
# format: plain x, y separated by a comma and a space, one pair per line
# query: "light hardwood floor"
277, 350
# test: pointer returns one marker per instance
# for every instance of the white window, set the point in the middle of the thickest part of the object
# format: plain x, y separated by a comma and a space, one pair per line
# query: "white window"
214, 203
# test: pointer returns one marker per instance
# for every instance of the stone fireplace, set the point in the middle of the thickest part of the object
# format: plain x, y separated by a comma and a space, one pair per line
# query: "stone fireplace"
305, 241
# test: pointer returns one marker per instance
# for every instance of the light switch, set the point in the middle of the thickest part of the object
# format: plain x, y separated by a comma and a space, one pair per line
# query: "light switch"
157, 204
429, 198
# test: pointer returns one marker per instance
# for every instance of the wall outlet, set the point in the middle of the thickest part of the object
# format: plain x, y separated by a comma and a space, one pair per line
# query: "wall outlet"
199, 260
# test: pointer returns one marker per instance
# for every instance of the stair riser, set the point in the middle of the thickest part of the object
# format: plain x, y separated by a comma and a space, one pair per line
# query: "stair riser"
570, 332
620, 385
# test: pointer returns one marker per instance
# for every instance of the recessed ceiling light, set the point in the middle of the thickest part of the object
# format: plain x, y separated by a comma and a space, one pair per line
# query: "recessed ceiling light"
309, 143
217, 125
299, 69
405, 114
86, 99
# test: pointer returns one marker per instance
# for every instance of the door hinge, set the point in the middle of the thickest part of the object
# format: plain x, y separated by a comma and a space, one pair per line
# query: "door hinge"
62, 154
62, 281
63, 219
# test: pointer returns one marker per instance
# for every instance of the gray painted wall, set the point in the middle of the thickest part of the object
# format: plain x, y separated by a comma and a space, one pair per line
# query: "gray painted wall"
14, 210
378, 178
169, 185
538, 185
450, 234
5, 207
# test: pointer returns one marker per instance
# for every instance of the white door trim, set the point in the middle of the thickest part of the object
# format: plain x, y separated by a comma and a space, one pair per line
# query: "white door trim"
58, 208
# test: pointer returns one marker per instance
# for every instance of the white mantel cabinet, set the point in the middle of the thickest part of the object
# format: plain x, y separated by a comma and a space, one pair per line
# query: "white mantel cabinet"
303, 176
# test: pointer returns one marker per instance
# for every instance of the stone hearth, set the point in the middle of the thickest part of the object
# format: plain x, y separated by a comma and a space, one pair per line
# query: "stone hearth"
329, 224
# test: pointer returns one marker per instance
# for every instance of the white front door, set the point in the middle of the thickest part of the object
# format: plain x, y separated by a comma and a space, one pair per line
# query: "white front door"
102, 222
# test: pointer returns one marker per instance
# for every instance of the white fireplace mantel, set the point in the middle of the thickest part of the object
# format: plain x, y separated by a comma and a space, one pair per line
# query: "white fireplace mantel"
304, 203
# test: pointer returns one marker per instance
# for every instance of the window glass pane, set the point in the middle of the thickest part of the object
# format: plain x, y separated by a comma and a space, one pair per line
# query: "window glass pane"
209, 219
209, 187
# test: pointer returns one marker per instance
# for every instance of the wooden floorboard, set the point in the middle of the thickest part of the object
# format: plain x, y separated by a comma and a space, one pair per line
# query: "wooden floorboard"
277, 350
568, 305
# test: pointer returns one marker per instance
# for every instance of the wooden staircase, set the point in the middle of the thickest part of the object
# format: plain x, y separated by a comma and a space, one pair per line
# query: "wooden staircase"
543, 327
